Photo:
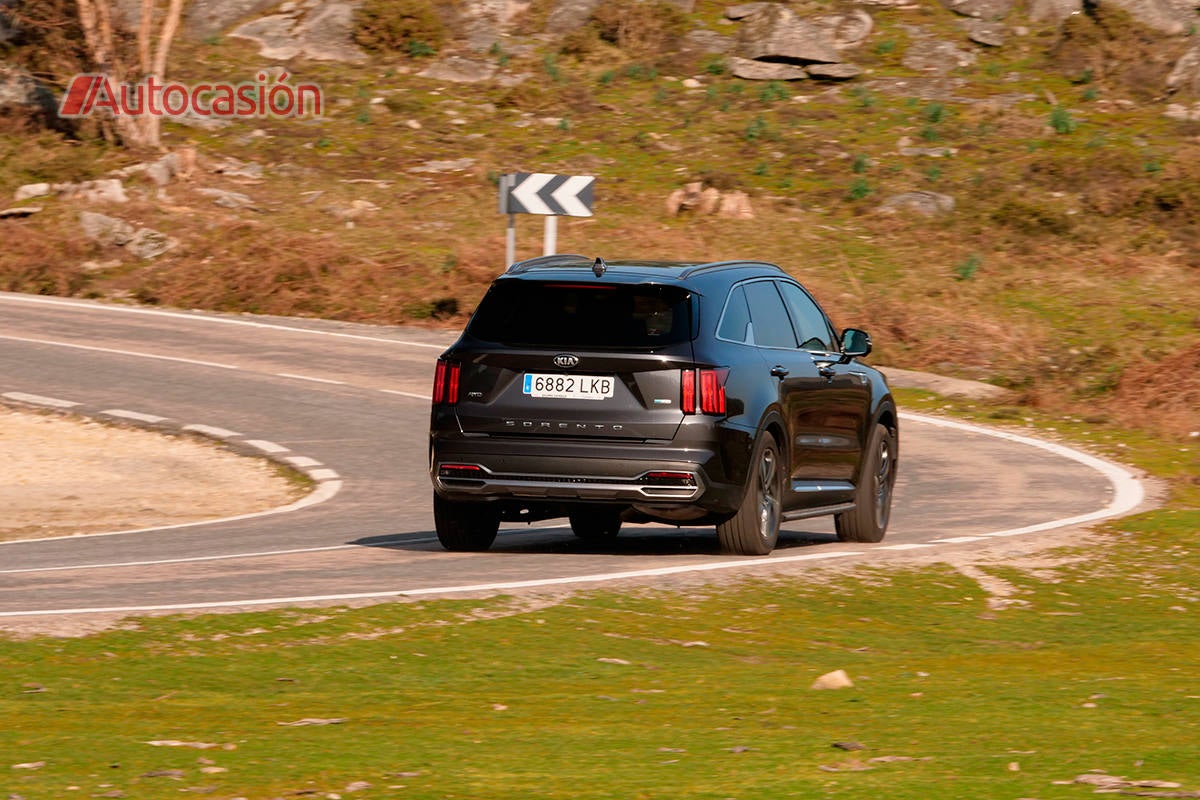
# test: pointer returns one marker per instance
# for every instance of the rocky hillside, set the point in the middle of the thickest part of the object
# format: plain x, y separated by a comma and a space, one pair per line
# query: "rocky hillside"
1000, 190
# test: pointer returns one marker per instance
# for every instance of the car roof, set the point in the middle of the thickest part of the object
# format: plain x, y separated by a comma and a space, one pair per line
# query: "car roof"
629, 270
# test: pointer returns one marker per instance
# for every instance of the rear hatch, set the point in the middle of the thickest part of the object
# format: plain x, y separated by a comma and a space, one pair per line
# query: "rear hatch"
564, 359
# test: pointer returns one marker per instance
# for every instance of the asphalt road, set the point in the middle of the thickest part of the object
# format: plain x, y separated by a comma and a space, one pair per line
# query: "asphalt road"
351, 402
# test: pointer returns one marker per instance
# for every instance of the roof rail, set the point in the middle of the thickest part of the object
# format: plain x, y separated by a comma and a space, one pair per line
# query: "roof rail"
715, 265
557, 260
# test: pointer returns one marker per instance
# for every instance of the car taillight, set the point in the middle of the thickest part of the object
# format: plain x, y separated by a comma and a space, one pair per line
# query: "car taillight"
688, 399
445, 382
460, 471
703, 390
664, 478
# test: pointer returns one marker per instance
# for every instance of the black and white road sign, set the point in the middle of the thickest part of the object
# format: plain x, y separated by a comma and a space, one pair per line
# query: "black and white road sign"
542, 193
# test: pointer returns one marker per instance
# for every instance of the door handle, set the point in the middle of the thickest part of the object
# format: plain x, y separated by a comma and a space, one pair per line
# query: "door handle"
779, 371
826, 370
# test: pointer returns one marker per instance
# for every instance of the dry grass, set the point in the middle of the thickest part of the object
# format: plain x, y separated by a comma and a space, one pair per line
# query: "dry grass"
1162, 393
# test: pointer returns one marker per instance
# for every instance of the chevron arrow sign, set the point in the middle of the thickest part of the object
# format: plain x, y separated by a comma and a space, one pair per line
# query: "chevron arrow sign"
542, 193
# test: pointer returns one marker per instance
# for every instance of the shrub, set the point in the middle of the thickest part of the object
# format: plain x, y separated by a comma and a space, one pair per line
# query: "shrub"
967, 269
412, 27
640, 26
1062, 121
859, 189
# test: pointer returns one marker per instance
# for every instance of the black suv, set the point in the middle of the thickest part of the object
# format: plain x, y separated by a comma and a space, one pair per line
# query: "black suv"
638, 391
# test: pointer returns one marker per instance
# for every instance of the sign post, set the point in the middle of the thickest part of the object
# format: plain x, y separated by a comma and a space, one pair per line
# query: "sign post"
543, 193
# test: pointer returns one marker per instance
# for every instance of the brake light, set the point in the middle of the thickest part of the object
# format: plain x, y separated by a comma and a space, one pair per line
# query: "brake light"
712, 393
663, 478
688, 399
703, 390
460, 471
445, 382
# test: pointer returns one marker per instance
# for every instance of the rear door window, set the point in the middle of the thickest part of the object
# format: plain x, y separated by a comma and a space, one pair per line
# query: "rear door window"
582, 315
772, 325
735, 321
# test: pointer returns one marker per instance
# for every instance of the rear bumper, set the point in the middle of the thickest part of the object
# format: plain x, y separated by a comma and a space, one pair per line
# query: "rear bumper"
685, 485
566, 472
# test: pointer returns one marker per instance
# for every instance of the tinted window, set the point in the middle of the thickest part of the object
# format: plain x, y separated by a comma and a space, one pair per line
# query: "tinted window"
811, 324
772, 327
735, 322
576, 315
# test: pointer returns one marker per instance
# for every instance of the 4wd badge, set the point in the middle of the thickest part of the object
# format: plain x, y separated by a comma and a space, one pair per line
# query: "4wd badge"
566, 360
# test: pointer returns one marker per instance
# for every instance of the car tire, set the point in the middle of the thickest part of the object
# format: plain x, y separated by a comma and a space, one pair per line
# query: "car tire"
754, 529
873, 497
465, 527
596, 524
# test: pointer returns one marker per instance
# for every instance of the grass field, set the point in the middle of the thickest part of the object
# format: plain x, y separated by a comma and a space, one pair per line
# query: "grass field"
1001, 679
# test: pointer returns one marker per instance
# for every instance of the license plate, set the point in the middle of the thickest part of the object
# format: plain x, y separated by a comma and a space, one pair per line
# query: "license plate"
572, 387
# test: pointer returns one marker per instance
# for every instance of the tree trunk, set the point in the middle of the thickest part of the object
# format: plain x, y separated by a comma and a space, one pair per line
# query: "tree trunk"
96, 18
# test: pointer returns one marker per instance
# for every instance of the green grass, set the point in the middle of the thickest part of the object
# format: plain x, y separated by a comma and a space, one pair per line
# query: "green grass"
689, 693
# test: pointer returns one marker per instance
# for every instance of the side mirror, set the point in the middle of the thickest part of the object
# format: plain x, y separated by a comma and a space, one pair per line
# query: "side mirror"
855, 343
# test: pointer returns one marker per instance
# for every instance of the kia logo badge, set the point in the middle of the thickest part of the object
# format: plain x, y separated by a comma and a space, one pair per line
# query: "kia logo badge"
566, 360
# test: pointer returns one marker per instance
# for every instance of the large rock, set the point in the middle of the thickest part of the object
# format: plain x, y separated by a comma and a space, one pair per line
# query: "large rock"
936, 57
990, 34
143, 243
838, 679
459, 70
485, 22
1166, 16
750, 70
319, 30
849, 29
1185, 77
705, 41
147, 244
834, 72
22, 96
1053, 10
743, 10
105, 230
1161, 15
205, 18
707, 200
569, 15
927, 204
775, 33
990, 10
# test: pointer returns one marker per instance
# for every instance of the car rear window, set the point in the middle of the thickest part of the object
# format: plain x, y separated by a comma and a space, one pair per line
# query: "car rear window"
577, 315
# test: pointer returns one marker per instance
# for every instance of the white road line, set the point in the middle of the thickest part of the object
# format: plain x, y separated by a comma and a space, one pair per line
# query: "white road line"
191, 560
39, 400
407, 394
1128, 492
302, 461
322, 474
121, 413
193, 361
260, 554
119, 352
309, 378
98, 307
267, 447
913, 546
957, 540
439, 590
209, 430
